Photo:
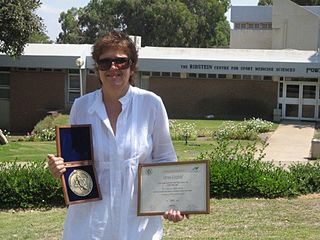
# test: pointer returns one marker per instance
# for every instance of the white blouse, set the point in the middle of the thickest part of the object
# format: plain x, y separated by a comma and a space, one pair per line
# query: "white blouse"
142, 136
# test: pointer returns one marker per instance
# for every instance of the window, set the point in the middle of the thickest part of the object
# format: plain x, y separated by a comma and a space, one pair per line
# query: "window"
156, 74
73, 85
192, 75
222, 76
267, 77
145, 73
202, 75
280, 90
212, 75
236, 76
246, 76
175, 74
4, 85
256, 77
47, 70
165, 74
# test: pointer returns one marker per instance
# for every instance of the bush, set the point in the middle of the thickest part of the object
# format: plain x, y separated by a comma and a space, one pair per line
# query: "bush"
50, 122
307, 177
182, 131
244, 130
28, 186
45, 129
235, 172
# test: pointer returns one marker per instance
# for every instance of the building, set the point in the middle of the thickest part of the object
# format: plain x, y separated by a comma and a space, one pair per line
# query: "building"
284, 25
269, 82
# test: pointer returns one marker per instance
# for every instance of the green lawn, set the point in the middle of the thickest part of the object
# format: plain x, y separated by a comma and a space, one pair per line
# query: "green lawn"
192, 149
37, 151
26, 151
201, 124
229, 219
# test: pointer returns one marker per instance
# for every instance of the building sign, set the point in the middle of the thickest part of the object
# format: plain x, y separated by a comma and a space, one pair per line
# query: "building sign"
254, 68
238, 68
286, 69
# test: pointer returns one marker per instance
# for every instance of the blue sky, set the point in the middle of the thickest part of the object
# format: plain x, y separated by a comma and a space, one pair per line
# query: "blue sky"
50, 11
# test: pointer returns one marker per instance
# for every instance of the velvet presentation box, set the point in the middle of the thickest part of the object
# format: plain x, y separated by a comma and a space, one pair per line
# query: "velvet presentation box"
79, 182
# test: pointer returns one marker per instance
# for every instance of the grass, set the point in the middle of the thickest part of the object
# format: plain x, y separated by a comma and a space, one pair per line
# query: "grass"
26, 151
37, 151
252, 219
229, 219
192, 149
203, 124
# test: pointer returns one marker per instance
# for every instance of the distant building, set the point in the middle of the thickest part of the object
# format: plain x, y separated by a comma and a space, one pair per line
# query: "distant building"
285, 25
279, 79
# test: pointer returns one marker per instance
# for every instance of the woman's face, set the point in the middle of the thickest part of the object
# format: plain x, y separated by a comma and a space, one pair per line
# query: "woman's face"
114, 69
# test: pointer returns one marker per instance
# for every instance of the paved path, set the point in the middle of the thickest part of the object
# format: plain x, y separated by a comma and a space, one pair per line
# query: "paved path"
290, 143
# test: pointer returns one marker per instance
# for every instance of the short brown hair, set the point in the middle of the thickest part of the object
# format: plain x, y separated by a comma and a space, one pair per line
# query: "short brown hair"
117, 40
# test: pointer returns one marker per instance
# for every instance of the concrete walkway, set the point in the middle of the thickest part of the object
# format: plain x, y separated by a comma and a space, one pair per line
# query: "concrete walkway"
290, 143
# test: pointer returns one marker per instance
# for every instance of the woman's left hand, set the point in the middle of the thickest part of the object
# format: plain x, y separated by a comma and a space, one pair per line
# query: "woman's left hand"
174, 215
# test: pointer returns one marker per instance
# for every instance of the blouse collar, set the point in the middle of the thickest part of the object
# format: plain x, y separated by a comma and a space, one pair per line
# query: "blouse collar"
98, 105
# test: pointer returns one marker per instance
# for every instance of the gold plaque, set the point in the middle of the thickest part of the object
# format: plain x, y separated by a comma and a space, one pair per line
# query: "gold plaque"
80, 182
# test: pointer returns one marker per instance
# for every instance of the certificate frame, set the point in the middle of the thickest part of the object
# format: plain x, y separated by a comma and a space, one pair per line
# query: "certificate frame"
174, 185
79, 181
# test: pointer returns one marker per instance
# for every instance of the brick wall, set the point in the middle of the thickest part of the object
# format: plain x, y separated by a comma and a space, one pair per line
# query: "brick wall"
33, 94
224, 98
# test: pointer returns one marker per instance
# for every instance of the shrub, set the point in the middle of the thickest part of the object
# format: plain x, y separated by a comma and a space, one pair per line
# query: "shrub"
28, 186
244, 130
236, 172
181, 131
307, 177
50, 122
45, 129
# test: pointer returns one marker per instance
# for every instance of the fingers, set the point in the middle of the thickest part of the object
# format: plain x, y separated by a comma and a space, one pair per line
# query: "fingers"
174, 215
56, 165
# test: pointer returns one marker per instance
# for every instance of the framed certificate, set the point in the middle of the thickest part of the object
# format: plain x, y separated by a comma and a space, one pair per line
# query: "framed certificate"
79, 182
182, 186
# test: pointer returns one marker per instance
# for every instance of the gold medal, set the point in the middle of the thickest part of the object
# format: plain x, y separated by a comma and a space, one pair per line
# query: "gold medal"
80, 182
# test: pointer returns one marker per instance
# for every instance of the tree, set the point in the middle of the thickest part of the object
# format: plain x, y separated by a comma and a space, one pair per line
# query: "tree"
71, 32
18, 22
179, 23
299, 2
265, 2
39, 37
160, 23
213, 29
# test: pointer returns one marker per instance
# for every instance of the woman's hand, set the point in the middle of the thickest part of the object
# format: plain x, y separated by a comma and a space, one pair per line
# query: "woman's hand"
174, 215
56, 165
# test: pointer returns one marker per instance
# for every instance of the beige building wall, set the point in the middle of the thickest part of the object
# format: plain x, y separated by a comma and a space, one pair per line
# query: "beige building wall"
294, 27
251, 39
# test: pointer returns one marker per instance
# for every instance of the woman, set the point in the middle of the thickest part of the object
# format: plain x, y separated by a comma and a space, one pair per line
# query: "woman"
129, 126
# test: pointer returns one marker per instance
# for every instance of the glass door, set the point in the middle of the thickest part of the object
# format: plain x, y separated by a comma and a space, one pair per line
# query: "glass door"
300, 100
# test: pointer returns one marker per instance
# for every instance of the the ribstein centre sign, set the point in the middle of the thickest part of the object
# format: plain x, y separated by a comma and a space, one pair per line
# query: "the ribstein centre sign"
253, 68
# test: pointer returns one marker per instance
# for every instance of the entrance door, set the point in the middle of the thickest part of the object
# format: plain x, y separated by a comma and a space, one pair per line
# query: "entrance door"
300, 101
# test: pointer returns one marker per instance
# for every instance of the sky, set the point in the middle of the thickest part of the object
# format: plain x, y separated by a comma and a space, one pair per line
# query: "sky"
50, 11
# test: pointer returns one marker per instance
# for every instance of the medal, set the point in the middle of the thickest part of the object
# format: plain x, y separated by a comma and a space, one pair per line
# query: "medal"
80, 182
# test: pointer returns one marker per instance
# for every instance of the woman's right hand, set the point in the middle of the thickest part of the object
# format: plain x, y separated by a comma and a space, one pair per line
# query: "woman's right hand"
56, 165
